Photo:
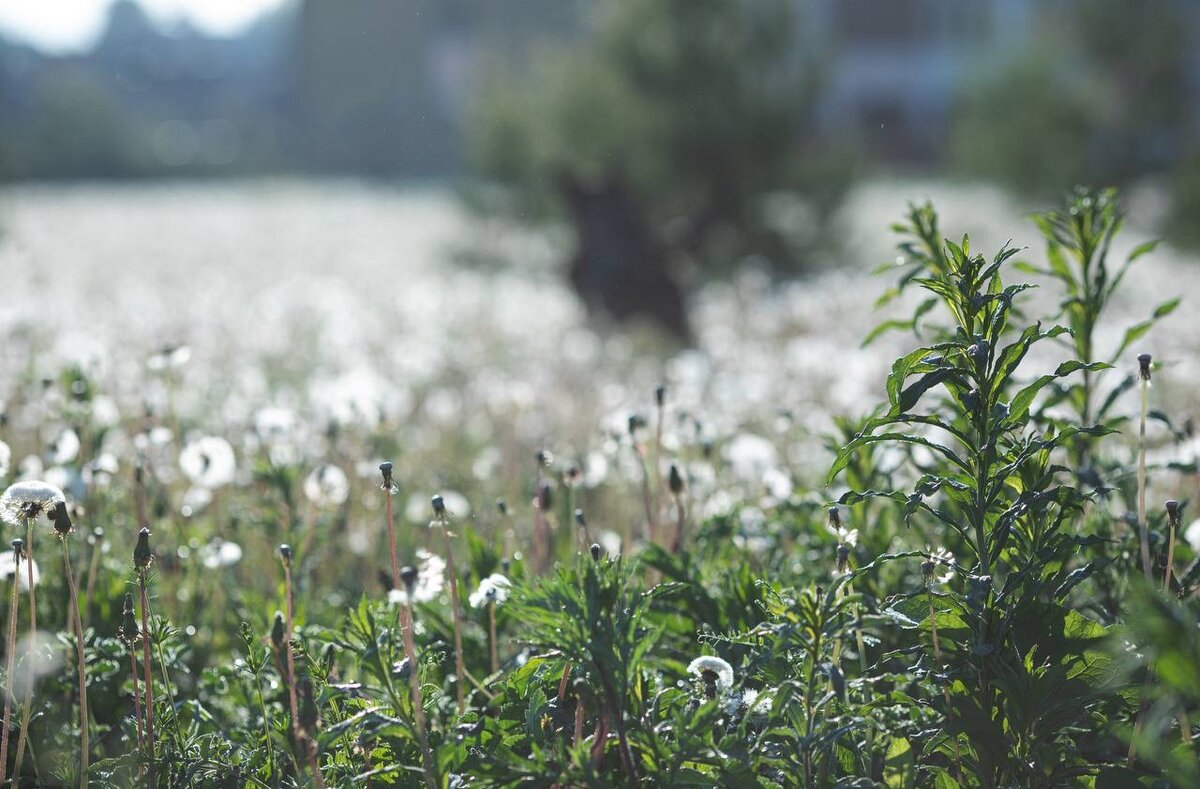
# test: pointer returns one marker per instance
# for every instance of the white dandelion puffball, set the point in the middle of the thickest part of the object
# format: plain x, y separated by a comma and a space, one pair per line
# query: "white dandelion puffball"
431, 578
208, 462
8, 565
221, 553
65, 448
711, 663
493, 589
327, 486
25, 501
5, 459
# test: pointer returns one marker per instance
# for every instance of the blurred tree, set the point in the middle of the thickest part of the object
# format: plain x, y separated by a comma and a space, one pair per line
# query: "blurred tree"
662, 137
1101, 97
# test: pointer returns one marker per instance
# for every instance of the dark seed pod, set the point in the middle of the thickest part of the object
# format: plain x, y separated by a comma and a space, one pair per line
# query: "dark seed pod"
927, 568
675, 480
61, 519
1173, 510
277, 631
1144, 360
143, 557
128, 631
636, 423
660, 395
545, 497
843, 557
835, 517
580, 519
18, 546
596, 551
502, 506
408, 577
285, 554
505, 565
544, 457
439, 505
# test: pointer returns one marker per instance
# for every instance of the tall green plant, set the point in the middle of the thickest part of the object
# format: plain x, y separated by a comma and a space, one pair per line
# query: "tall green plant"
1015, 654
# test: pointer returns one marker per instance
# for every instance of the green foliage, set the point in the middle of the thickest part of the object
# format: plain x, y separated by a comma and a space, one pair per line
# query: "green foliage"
968, 614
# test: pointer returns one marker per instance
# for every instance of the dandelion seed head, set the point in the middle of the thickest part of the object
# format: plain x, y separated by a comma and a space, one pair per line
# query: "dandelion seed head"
26, 501
327, 486
428, 579
711, 664
493, 589
208, 462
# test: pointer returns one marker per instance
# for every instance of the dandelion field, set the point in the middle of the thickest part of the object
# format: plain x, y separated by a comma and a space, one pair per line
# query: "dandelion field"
308, 506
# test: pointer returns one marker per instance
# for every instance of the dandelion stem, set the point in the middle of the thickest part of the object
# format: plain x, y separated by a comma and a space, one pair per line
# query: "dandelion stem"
137, 711
27, 705
293, 705
459, 668
1143, 528
11, 646
147, 676
82, 661
410, 650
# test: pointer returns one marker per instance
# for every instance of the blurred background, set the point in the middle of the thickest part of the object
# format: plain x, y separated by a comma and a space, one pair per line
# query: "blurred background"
652, 145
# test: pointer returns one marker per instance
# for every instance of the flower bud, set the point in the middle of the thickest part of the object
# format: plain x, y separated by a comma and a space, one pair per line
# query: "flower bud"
285, 554
278, 631
388, 485
439, 505
580, 519
18, 546
675, 480
835, 518
660, 395
1173, 512
595, 551
502, 506
128, 631
1144, 360
843, 557
142, 555
408, 577
545, 498
61, 519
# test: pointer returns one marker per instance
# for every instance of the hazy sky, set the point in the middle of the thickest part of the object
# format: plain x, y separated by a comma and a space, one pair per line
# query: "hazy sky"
67, 25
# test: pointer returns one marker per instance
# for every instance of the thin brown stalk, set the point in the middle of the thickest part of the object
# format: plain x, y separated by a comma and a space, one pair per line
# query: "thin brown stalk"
414, 682
680, 523
647, 499
1143, 529
293, 704
82, 665
11, 642
459, 667
137, 711
147, 675
27, 705
541, 536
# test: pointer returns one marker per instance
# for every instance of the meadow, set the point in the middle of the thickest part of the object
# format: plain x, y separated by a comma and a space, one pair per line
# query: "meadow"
310, 493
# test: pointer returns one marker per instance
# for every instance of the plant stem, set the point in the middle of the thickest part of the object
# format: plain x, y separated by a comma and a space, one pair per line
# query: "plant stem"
137, 713
11, 642
1170, 559
28, 703
291, 661
147, 676
459, 668
391, 527
82, 661
93, 569
410, 651
1143, 528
